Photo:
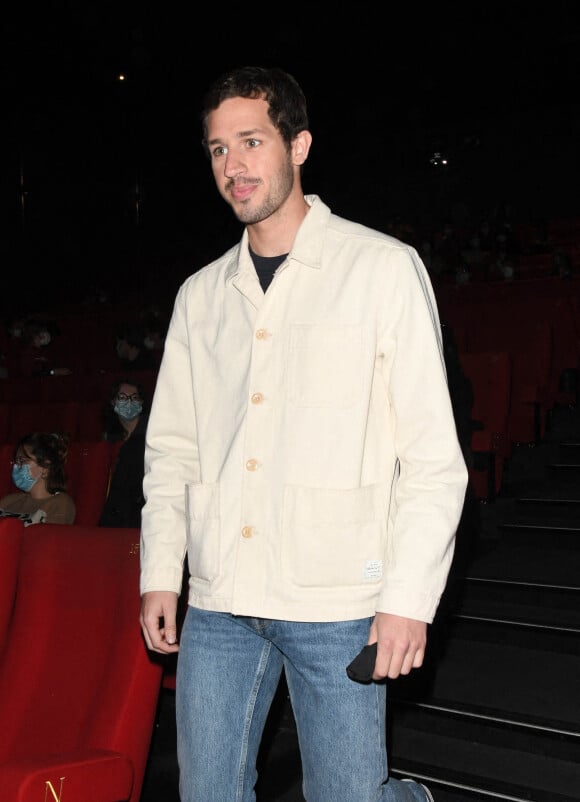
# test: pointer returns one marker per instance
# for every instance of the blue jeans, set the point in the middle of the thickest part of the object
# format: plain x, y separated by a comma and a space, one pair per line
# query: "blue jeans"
228, 671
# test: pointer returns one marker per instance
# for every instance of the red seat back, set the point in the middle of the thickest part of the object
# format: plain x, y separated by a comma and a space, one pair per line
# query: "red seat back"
88, 470
91, 423
5, 409
11, 531
42, 416
78, 687
6, 456
61, 388
490, 374
21, 389
529, 342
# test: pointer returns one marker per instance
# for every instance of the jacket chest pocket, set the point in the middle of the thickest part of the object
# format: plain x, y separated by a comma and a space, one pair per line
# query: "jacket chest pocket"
324, 365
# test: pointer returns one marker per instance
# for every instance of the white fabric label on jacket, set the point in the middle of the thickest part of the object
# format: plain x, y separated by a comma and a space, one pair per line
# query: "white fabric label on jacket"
373, 569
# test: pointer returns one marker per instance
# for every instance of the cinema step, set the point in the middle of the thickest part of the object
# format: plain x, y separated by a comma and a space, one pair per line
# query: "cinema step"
476, 755
521, 602
526, 671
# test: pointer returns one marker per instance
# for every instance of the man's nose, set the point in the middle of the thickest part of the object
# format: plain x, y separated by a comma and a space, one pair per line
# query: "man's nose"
234, 166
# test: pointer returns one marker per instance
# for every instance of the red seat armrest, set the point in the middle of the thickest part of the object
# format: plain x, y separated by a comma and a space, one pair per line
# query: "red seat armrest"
88, 775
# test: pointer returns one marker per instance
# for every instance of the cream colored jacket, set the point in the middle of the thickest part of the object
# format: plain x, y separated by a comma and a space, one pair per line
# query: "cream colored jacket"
301, 446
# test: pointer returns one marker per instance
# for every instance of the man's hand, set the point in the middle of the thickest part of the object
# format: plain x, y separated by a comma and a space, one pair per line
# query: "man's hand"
400, 644
158, 620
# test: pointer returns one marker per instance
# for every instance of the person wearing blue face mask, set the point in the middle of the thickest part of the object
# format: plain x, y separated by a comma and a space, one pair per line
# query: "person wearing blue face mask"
38, 473
125, 425
128, 408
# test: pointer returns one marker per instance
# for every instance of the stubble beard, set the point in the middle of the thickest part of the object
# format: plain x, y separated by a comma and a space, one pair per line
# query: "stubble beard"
281, 187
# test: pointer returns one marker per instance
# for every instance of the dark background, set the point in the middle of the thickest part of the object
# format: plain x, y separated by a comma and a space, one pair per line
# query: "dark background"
104, 181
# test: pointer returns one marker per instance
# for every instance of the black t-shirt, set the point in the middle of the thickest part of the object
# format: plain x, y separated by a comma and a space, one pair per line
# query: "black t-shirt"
266, 267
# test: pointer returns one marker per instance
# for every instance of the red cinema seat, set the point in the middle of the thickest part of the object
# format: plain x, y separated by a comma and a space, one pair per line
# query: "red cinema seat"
61, 388
6, 457
5, 410
78, 687
88, 469
43, 416
490, 374
11, 530
529, 342
21, 389
91, 423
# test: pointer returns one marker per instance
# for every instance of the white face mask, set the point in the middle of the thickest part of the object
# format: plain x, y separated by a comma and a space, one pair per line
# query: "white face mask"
148, 342
44, 338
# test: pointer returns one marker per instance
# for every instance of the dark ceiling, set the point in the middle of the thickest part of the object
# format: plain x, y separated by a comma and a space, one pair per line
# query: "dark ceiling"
494, 87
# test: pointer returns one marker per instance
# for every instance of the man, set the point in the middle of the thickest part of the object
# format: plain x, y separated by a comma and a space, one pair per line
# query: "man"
301, 449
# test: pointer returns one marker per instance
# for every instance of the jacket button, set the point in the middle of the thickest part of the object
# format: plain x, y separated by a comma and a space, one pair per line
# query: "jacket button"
257, 398
261, 334
247, 531
252, 465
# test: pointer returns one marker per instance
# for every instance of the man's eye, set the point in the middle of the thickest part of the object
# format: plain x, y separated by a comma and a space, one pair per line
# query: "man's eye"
219, 151
252, 143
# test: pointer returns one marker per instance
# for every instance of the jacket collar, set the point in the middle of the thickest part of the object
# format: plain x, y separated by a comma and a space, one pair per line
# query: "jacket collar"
307, 247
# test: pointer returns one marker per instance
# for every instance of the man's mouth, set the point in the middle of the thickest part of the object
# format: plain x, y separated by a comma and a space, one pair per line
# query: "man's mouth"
240, 192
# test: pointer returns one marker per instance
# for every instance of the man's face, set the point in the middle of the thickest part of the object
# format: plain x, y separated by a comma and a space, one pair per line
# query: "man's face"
252, 167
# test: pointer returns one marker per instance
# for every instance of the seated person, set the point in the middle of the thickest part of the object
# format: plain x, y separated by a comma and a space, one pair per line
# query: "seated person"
126, 422
37, 355
38, 472
132, 351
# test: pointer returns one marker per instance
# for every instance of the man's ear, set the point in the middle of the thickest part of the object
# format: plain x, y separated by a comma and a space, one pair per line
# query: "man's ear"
301, 147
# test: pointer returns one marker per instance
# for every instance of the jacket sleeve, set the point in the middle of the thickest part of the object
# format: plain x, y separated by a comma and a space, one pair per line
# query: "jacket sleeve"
429, 491
171, 461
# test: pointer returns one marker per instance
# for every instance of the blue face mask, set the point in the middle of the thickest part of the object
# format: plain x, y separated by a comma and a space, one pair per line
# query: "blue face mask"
22, 478
128, 410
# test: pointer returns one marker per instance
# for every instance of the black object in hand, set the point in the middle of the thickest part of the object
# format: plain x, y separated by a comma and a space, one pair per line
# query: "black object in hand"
362, 667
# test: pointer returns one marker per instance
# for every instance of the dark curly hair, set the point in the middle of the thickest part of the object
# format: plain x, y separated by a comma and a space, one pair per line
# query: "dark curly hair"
286, 101
50, 451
